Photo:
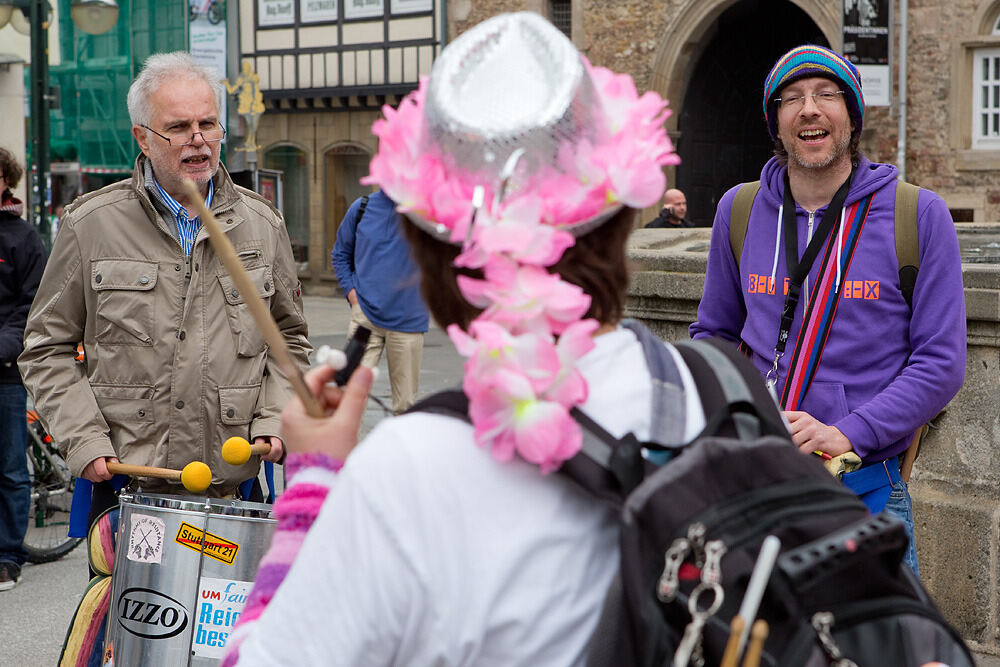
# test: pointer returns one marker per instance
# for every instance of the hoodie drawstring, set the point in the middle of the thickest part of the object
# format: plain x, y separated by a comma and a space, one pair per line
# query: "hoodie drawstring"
777, 245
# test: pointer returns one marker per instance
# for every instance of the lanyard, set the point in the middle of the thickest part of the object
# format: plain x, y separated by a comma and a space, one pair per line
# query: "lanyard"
798, 269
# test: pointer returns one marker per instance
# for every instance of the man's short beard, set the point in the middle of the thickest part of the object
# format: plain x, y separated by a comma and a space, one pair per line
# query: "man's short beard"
840, 149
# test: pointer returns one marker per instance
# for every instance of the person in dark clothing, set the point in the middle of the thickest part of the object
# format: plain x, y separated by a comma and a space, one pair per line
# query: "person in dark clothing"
22, 259
672, 214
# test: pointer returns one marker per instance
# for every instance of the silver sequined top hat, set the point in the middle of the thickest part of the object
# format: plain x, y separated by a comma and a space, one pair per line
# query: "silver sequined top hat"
512, 83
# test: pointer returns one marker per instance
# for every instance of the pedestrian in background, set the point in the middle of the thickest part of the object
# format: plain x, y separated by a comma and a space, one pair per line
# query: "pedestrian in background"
863, 369
672, 214
174, 363
22, 260
376, 273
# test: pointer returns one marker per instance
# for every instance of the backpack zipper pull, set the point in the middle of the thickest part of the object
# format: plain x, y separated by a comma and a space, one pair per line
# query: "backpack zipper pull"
712, 572
696, 536
822, 622
666, 589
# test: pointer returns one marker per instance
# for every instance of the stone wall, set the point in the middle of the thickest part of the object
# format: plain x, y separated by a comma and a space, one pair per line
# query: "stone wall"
956, 480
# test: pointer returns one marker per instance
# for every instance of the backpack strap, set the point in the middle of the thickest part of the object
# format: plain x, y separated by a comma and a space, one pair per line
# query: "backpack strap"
739, 217
736, 401
907, 243
361, 211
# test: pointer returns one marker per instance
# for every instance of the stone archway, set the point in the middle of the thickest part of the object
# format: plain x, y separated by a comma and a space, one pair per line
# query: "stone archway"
711, 65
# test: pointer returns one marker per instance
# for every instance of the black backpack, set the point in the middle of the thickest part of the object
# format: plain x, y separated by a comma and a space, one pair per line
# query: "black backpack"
693, 523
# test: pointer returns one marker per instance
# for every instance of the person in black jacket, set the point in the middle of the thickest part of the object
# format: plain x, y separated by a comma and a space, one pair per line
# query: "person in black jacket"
672, 214
22, 258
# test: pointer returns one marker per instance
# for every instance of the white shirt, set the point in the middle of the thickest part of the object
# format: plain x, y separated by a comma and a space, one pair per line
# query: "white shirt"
429, 552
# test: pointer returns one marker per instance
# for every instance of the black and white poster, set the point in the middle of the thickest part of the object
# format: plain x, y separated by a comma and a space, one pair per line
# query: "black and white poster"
866, 44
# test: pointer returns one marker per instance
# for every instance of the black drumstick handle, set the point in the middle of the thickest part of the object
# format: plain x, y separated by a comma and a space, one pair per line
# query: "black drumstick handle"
354, 350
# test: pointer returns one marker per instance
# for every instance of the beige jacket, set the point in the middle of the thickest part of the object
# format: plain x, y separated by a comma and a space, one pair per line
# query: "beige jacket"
173, 362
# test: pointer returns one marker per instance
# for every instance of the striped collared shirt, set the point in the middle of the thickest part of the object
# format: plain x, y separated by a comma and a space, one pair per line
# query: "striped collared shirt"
187, 227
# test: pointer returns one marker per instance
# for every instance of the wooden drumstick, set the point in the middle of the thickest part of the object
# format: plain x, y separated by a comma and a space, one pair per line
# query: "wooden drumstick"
196, 476
758, 633
256, 305
731, 655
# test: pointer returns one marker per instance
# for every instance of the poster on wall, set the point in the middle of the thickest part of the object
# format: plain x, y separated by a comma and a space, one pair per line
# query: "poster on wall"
411, 6
866, 44
363, 9
316, 11
275, 12
208, 47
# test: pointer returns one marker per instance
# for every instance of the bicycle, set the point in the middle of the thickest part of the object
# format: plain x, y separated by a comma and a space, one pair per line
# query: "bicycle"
47, 538
213, 10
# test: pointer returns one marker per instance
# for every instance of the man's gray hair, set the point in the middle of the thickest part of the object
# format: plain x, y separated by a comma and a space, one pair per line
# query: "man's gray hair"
159, 68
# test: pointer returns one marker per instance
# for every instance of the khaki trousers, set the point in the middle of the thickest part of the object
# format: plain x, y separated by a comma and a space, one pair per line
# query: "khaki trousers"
403, 352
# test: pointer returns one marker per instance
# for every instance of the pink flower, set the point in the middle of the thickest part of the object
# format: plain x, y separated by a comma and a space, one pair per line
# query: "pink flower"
517, 234
509, 417
525, 298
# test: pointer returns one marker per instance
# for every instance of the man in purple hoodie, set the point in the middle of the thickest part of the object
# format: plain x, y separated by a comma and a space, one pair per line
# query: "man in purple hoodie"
815, 296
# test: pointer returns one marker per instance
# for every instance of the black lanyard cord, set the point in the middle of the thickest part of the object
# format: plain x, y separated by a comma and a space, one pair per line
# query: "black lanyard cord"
798, 269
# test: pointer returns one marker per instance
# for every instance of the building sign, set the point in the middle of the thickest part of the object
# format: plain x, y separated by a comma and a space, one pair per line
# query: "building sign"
220, 604
362, 9
275, 12
315, 11
208, 48
411, 6
866, 44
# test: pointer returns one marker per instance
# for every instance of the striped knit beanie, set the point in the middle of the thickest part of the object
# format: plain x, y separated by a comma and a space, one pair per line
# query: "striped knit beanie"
811, 60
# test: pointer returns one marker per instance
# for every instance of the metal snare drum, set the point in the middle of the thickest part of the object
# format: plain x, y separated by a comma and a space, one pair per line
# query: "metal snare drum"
183, 570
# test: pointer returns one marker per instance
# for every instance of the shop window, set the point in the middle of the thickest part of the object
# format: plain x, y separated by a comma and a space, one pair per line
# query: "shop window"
292, 162
561, 15
986, 98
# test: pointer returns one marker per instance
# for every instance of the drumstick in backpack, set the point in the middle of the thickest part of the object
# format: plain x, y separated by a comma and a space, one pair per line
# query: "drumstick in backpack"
196, 476
256, 305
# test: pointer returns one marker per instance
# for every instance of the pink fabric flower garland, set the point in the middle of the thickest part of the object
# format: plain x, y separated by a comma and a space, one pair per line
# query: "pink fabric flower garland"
520, 372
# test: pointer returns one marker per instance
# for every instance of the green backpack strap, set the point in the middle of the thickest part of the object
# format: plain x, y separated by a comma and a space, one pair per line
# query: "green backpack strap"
907, 245
739, 216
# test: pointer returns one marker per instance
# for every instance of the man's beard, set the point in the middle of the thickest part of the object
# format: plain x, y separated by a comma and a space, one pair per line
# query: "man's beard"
840, 149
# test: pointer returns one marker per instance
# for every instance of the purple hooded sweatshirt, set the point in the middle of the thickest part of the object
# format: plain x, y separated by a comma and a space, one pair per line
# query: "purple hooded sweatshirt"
884, 371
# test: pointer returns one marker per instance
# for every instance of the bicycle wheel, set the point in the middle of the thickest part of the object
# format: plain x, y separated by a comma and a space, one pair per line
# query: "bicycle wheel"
47, 538
216, 12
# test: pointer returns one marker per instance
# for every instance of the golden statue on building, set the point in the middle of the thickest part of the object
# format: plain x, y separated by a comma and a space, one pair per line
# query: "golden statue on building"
250, 103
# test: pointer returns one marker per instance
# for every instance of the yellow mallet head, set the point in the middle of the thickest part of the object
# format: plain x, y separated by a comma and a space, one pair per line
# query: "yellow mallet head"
236, 451
196, 477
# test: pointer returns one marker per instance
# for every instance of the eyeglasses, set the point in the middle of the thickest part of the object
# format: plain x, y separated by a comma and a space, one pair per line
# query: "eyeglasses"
825, 99
180, 136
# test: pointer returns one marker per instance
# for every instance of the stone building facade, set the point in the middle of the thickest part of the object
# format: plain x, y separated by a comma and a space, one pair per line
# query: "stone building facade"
709, 59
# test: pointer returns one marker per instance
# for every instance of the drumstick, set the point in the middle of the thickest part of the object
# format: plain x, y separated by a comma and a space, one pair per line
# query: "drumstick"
756, 646
196, 476
731, 654
237, 451
256, 305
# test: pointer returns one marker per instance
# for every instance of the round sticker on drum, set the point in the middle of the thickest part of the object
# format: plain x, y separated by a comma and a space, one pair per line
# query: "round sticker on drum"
145, 539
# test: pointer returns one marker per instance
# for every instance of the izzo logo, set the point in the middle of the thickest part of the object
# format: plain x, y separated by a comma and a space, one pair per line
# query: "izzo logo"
150, 614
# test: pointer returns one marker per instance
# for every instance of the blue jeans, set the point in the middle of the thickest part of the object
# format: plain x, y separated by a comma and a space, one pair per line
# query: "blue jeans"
901, 507
15, 487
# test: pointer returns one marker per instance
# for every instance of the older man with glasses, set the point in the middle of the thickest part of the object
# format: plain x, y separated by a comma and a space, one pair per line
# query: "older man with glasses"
173, 363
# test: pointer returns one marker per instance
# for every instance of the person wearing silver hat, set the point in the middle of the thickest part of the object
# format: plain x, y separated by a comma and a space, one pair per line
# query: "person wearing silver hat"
519, 168
862, 347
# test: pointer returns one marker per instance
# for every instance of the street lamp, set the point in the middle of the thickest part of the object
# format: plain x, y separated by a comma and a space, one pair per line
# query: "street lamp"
91, 16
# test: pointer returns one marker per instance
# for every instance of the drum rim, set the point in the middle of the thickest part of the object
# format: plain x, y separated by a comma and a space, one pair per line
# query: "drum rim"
222, 507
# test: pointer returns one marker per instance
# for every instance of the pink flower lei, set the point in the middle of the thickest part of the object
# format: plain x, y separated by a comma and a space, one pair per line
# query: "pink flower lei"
521, 352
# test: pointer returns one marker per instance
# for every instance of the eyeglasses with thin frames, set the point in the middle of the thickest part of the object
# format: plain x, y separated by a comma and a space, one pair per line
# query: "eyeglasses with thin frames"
208, 136
824, 98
